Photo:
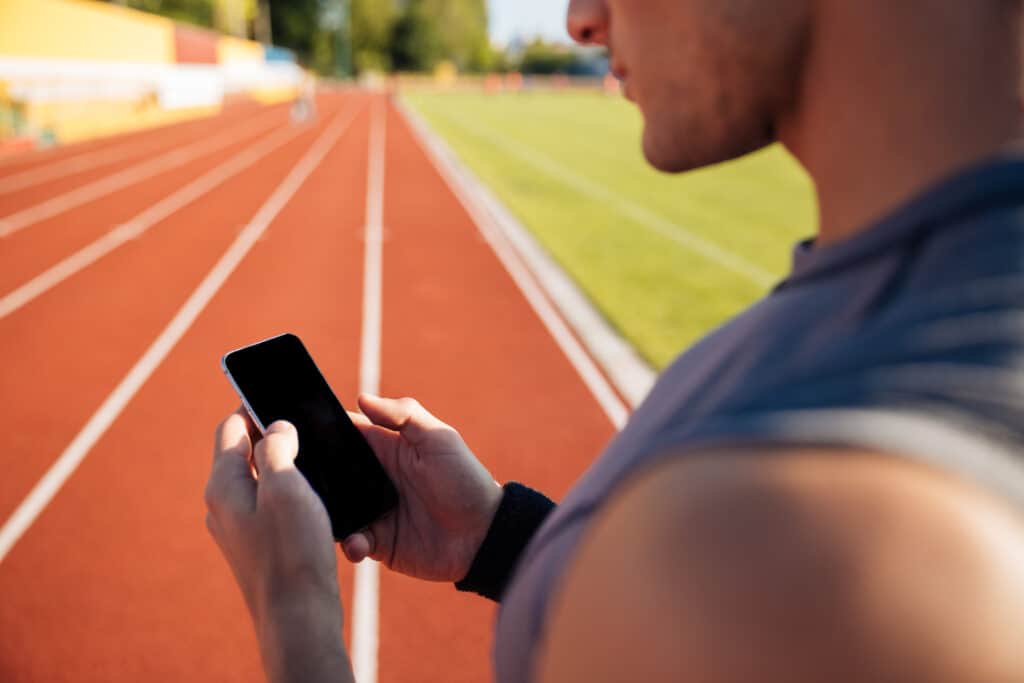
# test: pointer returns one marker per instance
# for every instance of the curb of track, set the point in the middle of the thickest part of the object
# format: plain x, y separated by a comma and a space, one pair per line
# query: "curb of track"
625, 368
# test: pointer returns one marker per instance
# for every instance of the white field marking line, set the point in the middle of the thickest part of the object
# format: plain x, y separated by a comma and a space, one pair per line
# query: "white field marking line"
595, 381
81, 162
130, 176
626, 369
108, 412
366, 585
637, 213
135, 227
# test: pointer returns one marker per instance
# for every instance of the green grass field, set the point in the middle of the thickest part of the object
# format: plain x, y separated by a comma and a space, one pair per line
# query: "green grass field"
664, 258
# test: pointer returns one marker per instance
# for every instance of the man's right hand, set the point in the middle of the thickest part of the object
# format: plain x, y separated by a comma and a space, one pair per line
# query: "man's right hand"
447, 498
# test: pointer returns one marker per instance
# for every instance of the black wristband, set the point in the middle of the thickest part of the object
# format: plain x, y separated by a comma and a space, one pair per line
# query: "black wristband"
520, 513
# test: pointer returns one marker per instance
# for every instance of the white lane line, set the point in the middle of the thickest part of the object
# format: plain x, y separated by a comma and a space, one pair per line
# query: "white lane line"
132, 175
595, 381
366, 586
637, 213
136, 226
104, 417
81, 162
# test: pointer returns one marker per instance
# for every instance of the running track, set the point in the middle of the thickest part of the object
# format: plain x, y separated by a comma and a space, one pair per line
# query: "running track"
116, 303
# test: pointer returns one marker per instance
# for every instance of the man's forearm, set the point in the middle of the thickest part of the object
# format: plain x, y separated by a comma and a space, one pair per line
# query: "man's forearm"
301, 640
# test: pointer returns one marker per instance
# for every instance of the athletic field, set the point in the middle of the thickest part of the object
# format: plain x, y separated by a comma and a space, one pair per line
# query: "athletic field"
664, 258
128, 265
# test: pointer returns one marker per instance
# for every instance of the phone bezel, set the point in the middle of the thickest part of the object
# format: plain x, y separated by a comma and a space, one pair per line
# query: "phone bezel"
234, 385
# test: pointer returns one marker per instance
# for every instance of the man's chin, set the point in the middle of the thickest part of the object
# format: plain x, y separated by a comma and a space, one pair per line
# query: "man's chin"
670, 153
665, 155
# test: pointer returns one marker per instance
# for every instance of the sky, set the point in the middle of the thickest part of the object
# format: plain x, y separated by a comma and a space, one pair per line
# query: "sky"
527, 18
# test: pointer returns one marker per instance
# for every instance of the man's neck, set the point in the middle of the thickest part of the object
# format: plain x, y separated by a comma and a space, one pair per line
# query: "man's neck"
896, 96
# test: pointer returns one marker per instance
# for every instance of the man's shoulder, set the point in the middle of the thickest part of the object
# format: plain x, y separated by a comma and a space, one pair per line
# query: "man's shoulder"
786, 565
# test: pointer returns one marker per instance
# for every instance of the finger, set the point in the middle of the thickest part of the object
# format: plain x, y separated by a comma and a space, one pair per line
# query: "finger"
232, 438
278, 449
381, 439
231, 485
359, 546
385, 412
359, 420
404, 415
213, 526
254, 431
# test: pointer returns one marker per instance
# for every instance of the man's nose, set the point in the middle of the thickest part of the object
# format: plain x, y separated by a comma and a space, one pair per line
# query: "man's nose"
588, 22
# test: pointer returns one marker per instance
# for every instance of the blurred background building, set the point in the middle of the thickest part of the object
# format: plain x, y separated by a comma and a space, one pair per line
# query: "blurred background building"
71, 69
76, 69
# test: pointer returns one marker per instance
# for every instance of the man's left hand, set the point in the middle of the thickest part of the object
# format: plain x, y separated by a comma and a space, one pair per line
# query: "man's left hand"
276, 536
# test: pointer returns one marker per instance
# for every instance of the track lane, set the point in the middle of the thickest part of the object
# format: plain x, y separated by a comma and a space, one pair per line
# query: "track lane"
38, 158
27, 253
122, 548
459, 336
35, 184
135, 566
134, 228
114, 310
135, 174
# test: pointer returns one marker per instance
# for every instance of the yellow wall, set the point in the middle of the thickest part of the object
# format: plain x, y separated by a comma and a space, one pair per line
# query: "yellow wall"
79, 29
235, 50
76, 121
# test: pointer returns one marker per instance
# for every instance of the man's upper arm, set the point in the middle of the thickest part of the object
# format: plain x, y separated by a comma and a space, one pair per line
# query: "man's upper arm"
792, 566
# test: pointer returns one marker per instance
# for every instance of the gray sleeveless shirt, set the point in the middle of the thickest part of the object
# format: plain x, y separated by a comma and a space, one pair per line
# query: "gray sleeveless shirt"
907, 338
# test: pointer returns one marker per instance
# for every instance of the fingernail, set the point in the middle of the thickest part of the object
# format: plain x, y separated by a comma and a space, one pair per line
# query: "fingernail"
280, 427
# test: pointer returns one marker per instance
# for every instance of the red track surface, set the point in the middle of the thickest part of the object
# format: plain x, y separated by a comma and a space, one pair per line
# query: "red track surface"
117, 579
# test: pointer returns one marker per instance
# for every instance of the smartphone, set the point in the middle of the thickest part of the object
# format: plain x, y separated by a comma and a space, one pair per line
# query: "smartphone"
278, 380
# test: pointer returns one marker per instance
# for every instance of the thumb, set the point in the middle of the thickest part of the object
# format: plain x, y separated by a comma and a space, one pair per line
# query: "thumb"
359, 546
277, 450
403, 415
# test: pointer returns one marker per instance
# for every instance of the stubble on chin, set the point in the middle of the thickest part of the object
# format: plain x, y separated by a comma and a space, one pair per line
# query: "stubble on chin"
676, 140
726, 101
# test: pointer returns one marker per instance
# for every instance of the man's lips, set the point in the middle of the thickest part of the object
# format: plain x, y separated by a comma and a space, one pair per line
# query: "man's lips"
619, 71
627, 92
622, 74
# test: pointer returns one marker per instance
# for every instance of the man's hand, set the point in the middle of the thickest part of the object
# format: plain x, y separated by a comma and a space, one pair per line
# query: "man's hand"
447, 499
275, 534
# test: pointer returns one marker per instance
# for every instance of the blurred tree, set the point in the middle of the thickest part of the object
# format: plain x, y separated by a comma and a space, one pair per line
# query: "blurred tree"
416, 39
335, 36
332, 54
243, 18
197, 12
371, 30
261, 29
234, 17
490, 58
427, 31
294, 25
312, 30
544, 58
463, 29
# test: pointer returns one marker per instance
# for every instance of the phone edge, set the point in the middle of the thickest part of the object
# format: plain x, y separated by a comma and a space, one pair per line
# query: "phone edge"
234, 385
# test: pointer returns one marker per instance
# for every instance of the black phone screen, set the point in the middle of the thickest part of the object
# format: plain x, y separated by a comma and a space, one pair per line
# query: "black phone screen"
279, 381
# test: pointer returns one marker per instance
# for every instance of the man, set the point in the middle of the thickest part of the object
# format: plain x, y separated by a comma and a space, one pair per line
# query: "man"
829, 488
